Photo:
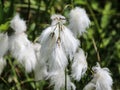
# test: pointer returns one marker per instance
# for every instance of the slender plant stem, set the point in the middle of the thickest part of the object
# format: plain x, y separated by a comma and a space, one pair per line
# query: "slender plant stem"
98, 27
95, 47
93, 16
14, 72
23, 82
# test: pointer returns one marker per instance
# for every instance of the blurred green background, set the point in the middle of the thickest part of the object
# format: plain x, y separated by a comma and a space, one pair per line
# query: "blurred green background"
101, 42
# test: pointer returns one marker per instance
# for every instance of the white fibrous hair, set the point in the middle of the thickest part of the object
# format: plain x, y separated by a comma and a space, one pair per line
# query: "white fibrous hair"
47, 42
58, 59
102, 79
2, 64
22, 49
58, 79
17, 24
3, 44
79, 21
69, 42
79, 65
40, 70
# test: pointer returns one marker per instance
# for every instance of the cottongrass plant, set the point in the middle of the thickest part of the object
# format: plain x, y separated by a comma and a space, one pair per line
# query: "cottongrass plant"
102, 79
20, 47
58, 47
57, 43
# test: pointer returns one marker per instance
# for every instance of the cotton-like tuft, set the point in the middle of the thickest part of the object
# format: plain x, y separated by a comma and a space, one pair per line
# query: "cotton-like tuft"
19, 45
22, 49
79, 65
102, 79
2, 64
3, 44
79, 21
47, 42
58, 80
69, 42
58, 59
18, 25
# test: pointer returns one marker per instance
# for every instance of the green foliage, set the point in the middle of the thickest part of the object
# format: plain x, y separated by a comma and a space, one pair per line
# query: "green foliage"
103, 34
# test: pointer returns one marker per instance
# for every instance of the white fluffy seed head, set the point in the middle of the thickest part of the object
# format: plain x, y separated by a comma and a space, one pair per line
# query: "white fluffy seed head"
79, 65
57, 18
22, 49
102, 79
3, 44
2, 64
17, 24
79, 21
103, 76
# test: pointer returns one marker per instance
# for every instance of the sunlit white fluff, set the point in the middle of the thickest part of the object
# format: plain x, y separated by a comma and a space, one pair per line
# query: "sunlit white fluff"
58, 80
101, 80
17, 24
51, 51
40, 70
2, 64
20, 47
69, 42
79, 65
57, 43
47, 41
3, 44
79, 21
55, 32
58, 59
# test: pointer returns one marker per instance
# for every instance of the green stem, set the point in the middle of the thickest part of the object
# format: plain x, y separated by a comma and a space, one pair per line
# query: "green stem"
93, 15
95, 47
15, 75
23, 82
